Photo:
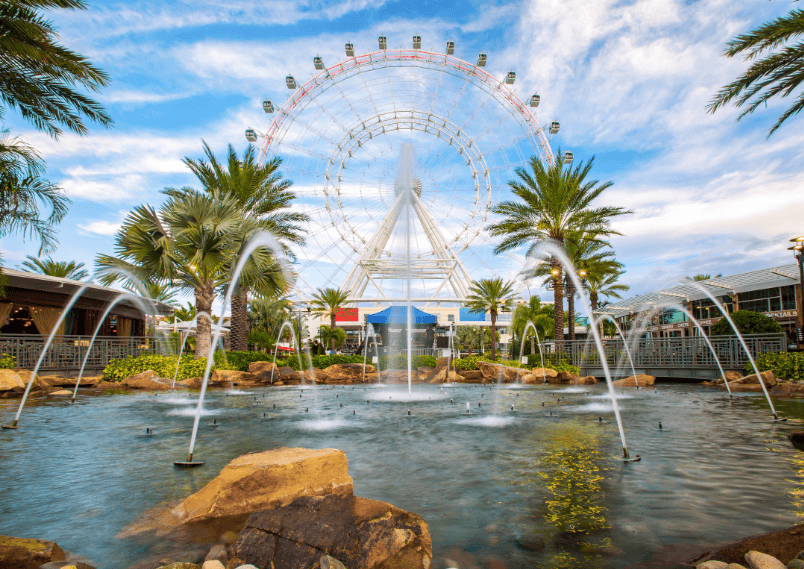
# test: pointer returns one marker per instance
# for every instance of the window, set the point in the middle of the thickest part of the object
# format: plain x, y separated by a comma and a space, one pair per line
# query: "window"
450, 318
769, 299
705, 308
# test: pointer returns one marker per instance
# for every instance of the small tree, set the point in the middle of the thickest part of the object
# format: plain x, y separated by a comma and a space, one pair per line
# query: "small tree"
747, 322
334, 337
493, 295
328, 301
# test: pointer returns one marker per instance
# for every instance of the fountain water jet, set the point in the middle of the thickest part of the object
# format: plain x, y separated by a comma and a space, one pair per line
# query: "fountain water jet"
289, 324
556, 251
742, 342
262, 239
625, 344
530, 324
183, 340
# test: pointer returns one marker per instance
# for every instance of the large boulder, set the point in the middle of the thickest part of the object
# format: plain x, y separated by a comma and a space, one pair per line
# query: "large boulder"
494, 372
232, 376
643, 380
288, 375
10, 381
586, 380
767, 378
263, 480
358, 532
394, 376
471, 376
346, 373
59, 381
440, 372
39, 383
730, 376
540, 375
148, 379
21, 553
265, 371
782, 544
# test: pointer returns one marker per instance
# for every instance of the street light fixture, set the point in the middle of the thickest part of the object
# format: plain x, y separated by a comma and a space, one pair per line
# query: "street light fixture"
798, 253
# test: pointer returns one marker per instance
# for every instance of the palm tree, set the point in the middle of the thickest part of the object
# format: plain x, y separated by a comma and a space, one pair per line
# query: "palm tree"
532, 311
493, 295
24, 193
189, 242
51, 268
334, 337
328, 301
156, 291
704, 277
259, 191
557, 205
39, 76
602, 282
774, 74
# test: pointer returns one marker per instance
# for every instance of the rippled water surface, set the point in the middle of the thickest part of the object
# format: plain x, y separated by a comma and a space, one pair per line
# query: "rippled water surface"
519, 487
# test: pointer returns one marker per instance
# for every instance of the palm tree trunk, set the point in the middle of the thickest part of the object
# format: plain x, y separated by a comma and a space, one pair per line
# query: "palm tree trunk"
204, 296
493, 314
593, 303
558, 306
571, 309
332, 320
239, 325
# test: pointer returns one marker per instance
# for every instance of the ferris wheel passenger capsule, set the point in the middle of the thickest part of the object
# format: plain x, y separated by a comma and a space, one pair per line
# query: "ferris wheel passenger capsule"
535, 100
318, 62
554, 126
251, 135
350, 50
450, 47
290, 82
383, 41
567, 159
417, 42
267, 106
481, 60
510, 78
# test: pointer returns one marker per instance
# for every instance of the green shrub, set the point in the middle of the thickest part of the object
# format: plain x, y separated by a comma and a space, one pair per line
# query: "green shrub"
470, 363
239, 361
784, 365
165, 366
7, 361
323, 362
747, 322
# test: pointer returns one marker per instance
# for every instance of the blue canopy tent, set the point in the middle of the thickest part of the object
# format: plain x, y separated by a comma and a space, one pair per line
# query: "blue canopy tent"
398, 315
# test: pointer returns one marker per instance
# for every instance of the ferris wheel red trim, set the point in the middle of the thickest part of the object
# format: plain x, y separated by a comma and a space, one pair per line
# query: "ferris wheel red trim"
331, 73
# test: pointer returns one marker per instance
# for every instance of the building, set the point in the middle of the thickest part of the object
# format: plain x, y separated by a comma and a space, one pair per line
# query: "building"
31, 308
665, 313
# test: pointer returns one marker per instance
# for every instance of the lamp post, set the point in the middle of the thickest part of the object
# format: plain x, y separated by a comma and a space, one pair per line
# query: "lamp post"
798, 252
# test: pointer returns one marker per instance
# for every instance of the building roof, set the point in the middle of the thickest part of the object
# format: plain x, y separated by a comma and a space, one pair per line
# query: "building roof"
68, 287
398, 315
783, 275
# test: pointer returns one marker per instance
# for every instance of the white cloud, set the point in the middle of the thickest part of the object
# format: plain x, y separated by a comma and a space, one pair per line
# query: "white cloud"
100, 227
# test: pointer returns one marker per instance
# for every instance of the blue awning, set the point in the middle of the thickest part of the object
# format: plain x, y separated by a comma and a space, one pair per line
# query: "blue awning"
398, 315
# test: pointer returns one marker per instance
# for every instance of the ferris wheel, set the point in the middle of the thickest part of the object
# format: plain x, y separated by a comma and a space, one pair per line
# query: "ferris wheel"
341, 137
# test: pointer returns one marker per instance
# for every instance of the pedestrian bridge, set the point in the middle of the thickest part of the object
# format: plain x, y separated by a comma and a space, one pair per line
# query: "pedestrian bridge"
682, 358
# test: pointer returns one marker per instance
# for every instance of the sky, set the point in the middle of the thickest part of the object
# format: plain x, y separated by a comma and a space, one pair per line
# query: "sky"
629, 80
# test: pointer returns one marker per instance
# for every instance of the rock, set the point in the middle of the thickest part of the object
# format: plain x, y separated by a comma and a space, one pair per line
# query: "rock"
730, 376
767, 379
471, 376
643, 380
735, 566
288, 375
249, 566
22, 553
498, 372
179, 565
784, 389
66, 565
213, 564
565, 377
61, 392
10, 380
146, 380
439, 373
191, 383
394, 376
782, 544
109, 385
59, 381
795, 564
254, 482
346, 373
39, 384
530, 543
587, 380
217, 553
263, 370
233, 376
313, 376
741, 387
711, 565
329, 562
757, 560
358, 532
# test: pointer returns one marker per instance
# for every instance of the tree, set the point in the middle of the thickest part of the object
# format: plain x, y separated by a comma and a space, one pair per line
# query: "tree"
557, 206
779, 72
189, 242
25, 196
328, 301
334, 337
602, 282
747, 322
540, 316
267, 315
159, 292
471, 338
493, 295
51, 268
259, 191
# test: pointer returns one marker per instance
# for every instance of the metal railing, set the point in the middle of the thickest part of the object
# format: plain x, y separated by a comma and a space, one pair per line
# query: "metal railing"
671, 353
68, 352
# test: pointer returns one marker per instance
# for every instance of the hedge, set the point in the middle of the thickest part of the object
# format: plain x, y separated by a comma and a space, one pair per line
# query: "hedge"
7, 361
165, 366
470, 363
784, 365
318, 362
239, 361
